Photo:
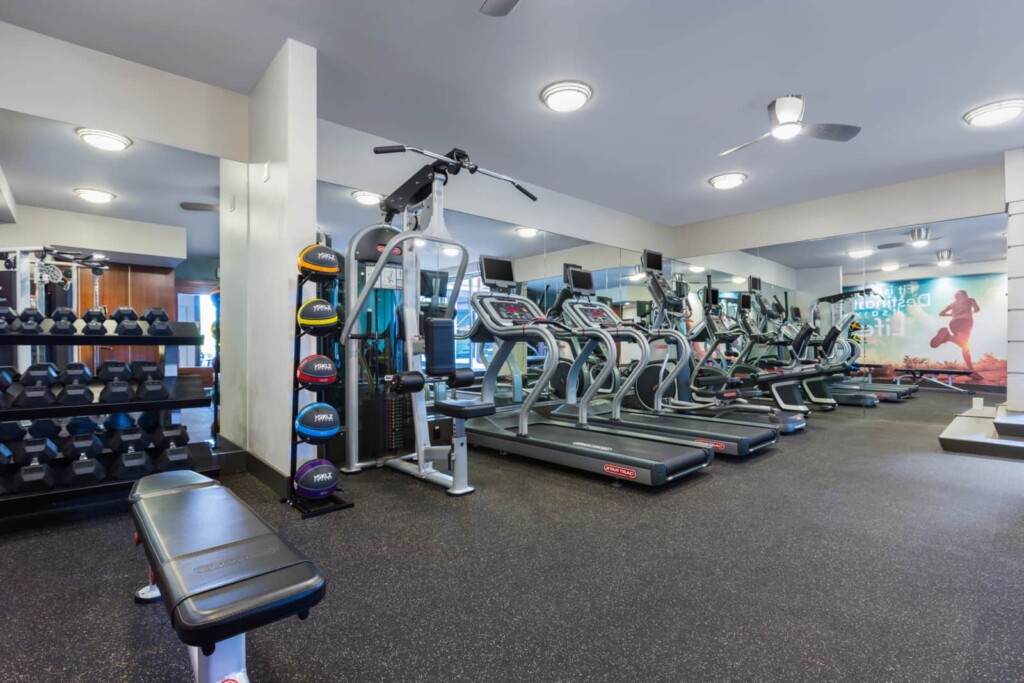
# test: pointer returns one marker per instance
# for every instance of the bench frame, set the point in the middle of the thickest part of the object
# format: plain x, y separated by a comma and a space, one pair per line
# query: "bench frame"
922, 375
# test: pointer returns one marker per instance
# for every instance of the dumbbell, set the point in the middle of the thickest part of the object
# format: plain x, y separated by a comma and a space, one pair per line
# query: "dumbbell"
172, 442
82, 425
35, 473
35, 386
149, 377
158, 320
6, 456
75, 379
30, 319
116, 375
7, 317
45, 429
63, 320
130, 459
11, 432
116, 421
84, 468
127, 321
8, 376
94, 319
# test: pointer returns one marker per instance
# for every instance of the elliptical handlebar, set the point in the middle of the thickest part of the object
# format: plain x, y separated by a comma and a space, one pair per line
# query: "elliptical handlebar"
455, 165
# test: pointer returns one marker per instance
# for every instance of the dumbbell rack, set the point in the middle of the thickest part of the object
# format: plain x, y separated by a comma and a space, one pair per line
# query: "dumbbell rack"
183, 392
333, 503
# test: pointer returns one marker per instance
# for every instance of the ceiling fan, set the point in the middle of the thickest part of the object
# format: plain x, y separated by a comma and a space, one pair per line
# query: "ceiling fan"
786, 115
498, 8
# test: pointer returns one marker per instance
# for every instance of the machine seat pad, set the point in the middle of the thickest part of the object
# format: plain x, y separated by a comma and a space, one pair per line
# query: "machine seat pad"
464, 410
220, 568
168, 482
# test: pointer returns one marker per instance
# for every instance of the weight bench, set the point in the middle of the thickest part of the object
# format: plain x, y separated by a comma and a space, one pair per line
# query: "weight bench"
220, 569
922, 375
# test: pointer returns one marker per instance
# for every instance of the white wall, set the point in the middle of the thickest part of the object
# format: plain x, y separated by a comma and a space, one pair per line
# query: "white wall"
234, 334
924, 272
124, 241
928, 200
744, 264
282, 220
814, 283
8, 208
47, 77
591, 256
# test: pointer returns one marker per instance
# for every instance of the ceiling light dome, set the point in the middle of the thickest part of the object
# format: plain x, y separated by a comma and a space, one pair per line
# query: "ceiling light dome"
697, 269
95, 196
738, 280
451, 251
861, 253
890, 267
566, 96
367, 198
528, 233
919, 237
944, 258
727, 181
995, 113
787, 131
105, 140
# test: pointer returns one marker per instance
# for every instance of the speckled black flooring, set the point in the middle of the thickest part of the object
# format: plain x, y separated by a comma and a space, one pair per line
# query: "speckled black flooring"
854, 552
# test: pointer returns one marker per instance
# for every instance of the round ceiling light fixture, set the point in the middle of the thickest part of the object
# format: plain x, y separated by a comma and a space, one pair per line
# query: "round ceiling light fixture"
419, 242
367, 198
944, 258
566, 96
919, 237
727, 181
738, 280
95, 196
994, 114
697, 269
787, 131
528, 233
890, 267
105, 140
860, 253
451, 251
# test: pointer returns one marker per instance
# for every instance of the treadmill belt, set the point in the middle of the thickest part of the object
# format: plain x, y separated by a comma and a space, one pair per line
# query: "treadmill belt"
709, 428
675, 457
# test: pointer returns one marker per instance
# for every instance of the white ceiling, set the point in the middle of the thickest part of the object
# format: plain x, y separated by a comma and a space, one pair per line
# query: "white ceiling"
339, 215
675, 83
973, 240
44, 161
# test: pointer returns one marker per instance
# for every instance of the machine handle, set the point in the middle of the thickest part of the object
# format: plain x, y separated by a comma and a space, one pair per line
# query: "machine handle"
388, 149
529, 194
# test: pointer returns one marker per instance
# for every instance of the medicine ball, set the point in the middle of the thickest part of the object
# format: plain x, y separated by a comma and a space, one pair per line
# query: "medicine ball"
319, 263
317, 317
317, 422
316, 479
317, 370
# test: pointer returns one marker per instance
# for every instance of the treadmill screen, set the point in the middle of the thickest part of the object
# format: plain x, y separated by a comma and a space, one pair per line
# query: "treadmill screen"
711, 297
496, 272
434, 282
566, 267
745, 301
581, 281
754, 284
796, 315
652, 260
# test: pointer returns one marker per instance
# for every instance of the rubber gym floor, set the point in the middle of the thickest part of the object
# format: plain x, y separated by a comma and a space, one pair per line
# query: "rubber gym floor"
854, 552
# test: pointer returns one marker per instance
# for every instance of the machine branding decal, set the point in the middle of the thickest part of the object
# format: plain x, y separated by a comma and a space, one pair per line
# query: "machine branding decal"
620, 471
590, 445
717, 445
397, 251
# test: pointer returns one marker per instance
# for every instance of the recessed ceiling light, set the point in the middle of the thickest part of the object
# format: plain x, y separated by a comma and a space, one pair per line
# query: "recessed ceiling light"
566, 96
737, 280
451, 251
861, 253
697, 269
98, 257
637, 277
890, 267
101, 139
527, 232
944, 258
786, 131
95, 196
419, 242
995, 113
727, 181
367, 198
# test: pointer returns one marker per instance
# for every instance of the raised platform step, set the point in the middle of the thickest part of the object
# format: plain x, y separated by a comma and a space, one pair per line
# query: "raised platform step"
1010, 424
975, 432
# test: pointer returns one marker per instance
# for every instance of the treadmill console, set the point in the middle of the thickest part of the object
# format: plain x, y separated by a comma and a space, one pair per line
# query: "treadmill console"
594, 314
511, 311
664, 293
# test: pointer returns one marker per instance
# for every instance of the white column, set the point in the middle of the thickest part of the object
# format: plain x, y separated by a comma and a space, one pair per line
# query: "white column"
234, 332
282, 219
1015, 273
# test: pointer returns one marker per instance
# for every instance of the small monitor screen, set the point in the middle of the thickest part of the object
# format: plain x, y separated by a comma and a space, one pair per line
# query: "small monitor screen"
651, 260
745, 301
566, 267
581, 281
754, 284
711, 297
433, 283
496, 272
796, 314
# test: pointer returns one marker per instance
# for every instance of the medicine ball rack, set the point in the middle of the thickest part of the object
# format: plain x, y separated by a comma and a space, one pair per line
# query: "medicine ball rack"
183, 392
334, 502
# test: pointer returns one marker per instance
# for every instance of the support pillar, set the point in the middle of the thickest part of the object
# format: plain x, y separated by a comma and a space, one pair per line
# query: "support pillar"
1015, 279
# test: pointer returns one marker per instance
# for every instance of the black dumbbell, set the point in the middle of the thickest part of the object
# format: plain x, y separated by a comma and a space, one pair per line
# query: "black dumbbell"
7, 317
146, 369
113, 369
40, 373
35, 383
94, 319
44, 429
127, 321
82, 425
158, 320
11, 432
6, 456
64, 318
148, 374
35, 473
8, 376
75, 379
30, 319
130, 459
117, 391
116, 421
75, 373
84, 467
172, 442
33, 451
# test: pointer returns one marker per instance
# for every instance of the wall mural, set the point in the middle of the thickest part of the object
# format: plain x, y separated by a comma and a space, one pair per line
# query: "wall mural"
946, 322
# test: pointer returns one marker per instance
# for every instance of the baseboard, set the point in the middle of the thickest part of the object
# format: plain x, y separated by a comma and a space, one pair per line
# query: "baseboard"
277, 482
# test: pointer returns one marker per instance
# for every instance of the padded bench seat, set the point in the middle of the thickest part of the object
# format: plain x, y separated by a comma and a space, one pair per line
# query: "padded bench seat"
221, 569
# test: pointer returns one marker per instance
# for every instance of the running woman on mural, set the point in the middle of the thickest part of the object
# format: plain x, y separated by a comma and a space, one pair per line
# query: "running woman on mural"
961, 310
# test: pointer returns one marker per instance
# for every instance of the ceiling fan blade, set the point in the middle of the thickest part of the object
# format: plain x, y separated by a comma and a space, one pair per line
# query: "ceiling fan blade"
199, 206
498, 8
836, 132
745, 144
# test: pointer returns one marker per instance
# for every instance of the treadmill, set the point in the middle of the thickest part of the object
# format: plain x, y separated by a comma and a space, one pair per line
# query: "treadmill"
511, 318
726, 436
